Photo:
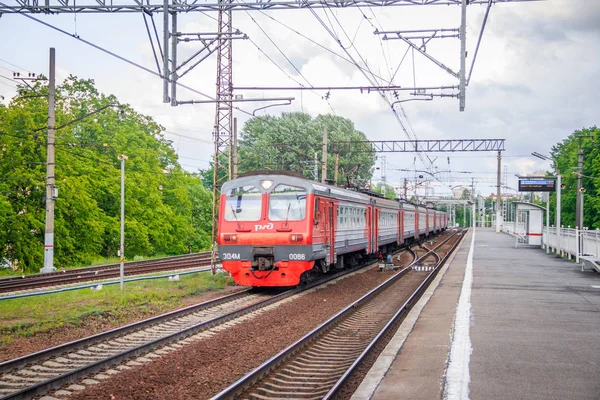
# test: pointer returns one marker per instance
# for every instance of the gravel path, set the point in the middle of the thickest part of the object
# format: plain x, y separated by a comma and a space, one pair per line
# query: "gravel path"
207, 366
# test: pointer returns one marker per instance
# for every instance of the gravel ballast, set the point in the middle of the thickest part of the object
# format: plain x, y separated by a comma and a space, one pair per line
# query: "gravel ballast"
207, 366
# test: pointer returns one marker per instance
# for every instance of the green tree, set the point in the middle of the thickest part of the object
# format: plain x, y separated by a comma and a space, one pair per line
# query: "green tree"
290, 142
565, 155
387, 191
164, 205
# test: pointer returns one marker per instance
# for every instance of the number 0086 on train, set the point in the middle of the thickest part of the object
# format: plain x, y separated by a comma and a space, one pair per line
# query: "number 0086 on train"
281, 230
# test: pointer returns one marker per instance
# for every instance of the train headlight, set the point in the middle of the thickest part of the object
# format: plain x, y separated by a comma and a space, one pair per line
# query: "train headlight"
266, 184
230, 238
296, 237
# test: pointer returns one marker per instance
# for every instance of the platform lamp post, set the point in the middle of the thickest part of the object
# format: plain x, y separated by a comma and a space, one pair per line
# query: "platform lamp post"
122, 158
557, 218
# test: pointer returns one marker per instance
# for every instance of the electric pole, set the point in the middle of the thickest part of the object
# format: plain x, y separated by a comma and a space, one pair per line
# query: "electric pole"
498, 193
579, 201
324, 157
383, 173
122, 158
51, 191
235, 149
473, 202
335, 172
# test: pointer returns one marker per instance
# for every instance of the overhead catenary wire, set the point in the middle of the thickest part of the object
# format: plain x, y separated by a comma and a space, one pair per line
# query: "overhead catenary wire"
287, 58
367, 77
112, 54
308, 38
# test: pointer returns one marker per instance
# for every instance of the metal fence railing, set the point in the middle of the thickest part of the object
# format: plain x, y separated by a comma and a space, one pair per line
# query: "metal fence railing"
570, 243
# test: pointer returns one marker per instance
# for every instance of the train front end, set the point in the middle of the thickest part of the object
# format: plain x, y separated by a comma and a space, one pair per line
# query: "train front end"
264, 233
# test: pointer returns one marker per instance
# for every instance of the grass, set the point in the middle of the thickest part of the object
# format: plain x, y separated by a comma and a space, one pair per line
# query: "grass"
30, 315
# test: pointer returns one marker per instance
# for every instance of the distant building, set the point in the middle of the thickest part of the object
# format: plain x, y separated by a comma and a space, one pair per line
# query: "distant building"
458, 192
503, 196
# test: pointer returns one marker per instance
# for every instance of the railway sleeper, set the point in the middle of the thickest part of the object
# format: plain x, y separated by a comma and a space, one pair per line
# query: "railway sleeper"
312, 364
320, 380
319, 356
292, 395
286, 374
335, 352
340, 343
311, 370
49, 374
255, 396
295, 387
13, 385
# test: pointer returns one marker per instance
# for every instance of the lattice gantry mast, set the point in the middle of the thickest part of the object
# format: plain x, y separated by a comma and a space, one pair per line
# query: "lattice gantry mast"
223, 133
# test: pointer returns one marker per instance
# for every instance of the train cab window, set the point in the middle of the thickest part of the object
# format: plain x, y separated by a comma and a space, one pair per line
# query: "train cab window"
287, 203
243, 204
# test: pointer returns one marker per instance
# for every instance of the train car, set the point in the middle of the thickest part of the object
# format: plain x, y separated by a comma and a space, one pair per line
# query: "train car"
409, 218
422, 221
280, 229
439, 220
430, 221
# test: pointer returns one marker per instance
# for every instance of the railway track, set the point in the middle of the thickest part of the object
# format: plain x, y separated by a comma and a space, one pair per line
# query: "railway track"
40, 372
54, 368
316, 366
100, 272
48, 370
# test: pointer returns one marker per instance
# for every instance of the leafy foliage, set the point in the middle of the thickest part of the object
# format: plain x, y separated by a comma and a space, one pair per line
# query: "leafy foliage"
290, 142
565, 155
388, 191
87, 214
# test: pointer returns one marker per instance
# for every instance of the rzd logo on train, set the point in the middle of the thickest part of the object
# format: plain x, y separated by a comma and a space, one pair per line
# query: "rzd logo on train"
263, 227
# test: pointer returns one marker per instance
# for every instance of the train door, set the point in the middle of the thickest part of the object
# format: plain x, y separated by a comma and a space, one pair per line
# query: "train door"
417, 224
400, 228
328, 229
369, 228
375, 229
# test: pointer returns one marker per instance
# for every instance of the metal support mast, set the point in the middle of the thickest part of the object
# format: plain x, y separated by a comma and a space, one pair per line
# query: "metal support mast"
579, 198
499, 193
50, 188
224, 112
463, 56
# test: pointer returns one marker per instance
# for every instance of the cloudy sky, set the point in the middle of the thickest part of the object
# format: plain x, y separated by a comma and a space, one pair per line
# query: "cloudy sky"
535, 81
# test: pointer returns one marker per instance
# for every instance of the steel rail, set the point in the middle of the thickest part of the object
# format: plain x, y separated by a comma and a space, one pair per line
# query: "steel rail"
73, 375
264, 369
78, 373
416, 296
20, 362
130, 264
100, 272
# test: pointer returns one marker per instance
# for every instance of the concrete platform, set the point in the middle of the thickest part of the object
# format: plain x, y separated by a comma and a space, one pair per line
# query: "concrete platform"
502, 323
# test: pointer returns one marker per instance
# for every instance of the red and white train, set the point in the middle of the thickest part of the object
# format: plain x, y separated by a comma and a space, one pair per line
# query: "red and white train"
276, 229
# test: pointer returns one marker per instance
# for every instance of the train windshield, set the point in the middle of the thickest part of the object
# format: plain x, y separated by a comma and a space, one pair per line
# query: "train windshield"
243, 204
287, 203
